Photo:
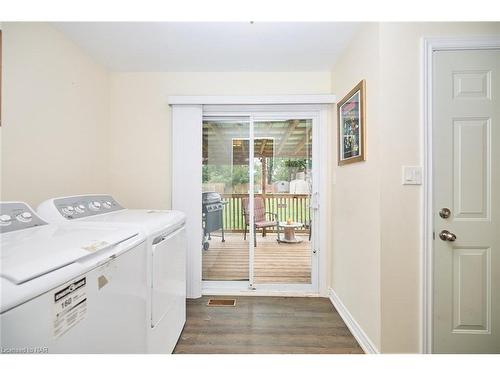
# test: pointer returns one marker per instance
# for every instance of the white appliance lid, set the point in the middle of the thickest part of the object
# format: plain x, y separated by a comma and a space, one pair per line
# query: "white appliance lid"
34, 252
151, 221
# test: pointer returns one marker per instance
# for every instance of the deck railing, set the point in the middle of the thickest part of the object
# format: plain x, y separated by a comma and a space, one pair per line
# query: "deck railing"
293, 206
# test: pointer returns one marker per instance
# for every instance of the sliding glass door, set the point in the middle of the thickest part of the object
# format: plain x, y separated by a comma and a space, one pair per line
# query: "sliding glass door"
258, 208
226, 181
282, 196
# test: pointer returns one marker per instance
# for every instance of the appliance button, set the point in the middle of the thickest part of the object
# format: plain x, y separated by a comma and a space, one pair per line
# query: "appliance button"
68, 210
24, 217
107, 204
5, 219
80, 208
95, 205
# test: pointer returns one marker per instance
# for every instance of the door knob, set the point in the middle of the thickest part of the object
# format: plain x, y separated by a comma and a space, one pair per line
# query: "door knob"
444, 213
447, 236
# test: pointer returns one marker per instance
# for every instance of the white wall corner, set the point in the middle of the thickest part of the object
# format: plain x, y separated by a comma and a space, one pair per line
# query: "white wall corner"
359, 334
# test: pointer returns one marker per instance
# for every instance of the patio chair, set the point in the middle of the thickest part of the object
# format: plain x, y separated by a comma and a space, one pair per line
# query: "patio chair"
262, 219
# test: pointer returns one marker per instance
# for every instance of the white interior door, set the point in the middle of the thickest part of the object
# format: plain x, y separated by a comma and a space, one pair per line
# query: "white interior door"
466, 149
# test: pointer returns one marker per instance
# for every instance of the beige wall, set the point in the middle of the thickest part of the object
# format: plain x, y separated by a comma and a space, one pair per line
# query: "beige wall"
356, 194
54, 116
386, 244
140, 128
401, 140
70, 127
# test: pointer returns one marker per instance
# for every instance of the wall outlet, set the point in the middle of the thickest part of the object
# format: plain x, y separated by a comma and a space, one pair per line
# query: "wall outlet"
412, 175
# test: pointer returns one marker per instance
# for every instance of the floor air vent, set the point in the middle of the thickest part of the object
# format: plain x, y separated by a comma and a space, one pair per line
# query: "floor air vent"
221, 302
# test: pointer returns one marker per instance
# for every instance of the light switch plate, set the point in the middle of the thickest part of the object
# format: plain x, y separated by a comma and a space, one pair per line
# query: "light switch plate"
412, 175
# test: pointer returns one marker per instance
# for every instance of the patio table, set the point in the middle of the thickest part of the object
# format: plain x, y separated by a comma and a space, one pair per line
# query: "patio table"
289, 232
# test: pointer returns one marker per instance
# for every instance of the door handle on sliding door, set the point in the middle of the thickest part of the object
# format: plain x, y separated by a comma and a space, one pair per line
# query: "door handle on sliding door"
314, 201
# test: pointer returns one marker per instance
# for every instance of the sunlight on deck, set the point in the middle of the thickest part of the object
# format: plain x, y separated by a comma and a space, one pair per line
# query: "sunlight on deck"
274, 262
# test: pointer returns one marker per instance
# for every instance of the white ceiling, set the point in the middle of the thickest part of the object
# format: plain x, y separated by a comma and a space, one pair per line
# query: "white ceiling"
212, 46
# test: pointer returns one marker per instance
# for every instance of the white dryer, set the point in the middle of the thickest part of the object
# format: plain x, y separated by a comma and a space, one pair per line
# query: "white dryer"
166, 257
70, 288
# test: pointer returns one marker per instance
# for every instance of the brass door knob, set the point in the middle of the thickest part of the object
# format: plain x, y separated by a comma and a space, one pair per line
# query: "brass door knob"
447, 236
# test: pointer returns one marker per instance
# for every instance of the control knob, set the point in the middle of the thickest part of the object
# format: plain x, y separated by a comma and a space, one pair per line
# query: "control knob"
80, 208
5, 219
107, 204
95, 205
24, 217
68, 210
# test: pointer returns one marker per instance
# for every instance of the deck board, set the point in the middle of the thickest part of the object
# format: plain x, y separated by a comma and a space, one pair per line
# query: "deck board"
274, 262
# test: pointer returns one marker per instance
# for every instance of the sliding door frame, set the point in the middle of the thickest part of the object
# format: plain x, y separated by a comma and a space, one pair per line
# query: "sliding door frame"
318, 114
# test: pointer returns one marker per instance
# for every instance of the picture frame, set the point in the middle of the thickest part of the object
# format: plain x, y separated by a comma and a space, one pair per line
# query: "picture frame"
351, 124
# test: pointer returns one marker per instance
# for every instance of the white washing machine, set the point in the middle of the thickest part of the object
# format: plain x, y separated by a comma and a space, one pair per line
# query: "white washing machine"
165, 261
70, 288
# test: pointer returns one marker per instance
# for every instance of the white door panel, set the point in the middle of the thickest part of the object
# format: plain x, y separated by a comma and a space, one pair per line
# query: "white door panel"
471, 290
471, 200
466, 149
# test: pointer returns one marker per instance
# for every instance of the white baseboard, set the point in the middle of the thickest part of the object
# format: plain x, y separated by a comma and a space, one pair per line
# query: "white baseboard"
361, 337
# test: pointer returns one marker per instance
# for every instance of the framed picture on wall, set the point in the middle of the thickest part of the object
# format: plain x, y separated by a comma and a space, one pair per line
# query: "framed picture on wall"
351, 126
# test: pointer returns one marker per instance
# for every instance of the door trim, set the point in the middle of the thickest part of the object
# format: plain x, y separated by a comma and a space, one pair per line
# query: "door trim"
252, 99
430, 45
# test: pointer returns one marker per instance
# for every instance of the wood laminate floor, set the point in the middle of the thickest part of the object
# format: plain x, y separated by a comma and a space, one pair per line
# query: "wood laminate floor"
267, 325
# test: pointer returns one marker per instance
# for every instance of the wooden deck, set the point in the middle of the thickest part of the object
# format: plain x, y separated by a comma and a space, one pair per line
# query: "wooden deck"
274, 262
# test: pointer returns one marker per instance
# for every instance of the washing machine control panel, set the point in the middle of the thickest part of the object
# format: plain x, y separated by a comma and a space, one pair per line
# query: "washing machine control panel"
86, 205
17, 216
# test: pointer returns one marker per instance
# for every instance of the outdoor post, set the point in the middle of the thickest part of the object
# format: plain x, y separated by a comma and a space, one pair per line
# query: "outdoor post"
263, 185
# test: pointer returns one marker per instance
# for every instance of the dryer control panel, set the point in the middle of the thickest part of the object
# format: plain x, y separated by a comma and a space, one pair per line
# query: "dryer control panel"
17, 216
85, 205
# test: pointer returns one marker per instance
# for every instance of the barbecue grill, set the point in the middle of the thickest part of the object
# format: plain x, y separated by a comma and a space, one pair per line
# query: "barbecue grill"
212, 208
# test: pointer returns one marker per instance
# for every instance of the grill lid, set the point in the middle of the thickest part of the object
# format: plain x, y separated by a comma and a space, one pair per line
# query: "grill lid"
210, 197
